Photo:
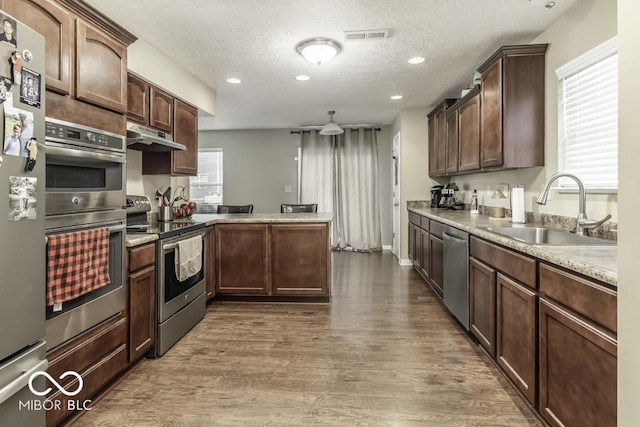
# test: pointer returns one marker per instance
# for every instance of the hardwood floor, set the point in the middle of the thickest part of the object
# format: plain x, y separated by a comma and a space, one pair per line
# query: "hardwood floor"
384, 353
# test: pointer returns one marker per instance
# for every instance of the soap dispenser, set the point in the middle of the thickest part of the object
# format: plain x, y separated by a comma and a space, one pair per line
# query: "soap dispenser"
473, 206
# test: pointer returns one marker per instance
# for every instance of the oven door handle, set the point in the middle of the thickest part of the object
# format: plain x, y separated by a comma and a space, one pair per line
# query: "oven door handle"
171, 246
113, 228
72, 152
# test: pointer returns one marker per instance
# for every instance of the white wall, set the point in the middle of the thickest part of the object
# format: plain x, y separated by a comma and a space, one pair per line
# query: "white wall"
156, 67
629, 232
414, 164
587, 24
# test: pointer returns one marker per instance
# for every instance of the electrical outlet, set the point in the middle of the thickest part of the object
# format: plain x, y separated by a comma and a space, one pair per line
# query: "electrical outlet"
287, 189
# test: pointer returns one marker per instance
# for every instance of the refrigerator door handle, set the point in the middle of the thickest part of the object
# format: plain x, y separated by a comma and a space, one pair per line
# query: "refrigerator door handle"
21, 382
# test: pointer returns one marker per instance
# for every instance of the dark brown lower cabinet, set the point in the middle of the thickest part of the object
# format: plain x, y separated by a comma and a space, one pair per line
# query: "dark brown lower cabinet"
141, 304
142, 312
412, 242
516, 334
577, 370
98, 355
482, 304
241, 259
211, 263
437, 263
300, 259
425, 254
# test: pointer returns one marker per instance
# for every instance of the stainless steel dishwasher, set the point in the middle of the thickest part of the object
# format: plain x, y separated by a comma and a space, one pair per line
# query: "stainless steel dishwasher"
456, 273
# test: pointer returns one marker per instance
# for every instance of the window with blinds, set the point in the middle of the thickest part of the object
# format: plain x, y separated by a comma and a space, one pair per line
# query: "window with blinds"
588, 118
206, 188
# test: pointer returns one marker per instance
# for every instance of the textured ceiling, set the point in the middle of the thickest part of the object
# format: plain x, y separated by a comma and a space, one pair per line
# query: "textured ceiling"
255, 40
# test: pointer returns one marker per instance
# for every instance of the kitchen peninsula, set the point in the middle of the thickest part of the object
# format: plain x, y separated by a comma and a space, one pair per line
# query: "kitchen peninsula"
268, 257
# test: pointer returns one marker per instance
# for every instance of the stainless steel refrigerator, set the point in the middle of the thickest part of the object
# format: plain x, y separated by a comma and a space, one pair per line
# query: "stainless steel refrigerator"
22, 236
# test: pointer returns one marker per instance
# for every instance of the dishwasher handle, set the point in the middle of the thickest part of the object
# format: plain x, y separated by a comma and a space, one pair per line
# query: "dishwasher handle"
457, 240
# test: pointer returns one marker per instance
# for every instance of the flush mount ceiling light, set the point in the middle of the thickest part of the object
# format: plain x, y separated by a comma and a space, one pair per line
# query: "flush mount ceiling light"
416, 60
318, 50
332, 127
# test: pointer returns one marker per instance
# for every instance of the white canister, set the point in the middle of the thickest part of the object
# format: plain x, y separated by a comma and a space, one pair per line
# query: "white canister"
517, 205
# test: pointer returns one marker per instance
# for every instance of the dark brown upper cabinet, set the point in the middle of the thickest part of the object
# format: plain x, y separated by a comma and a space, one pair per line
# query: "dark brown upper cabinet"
149, 105
512, 107
438, 138
469, 131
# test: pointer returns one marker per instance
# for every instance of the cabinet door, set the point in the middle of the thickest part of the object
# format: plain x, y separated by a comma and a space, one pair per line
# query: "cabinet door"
211, 265
441, 148
491, 116
242, 253
137, 100
437, 263
433, 147
482, 304
300, 259
417, 247
451, 142
425, 254
412, 244
56, 25
142, 312
100, 56
516, 334
577, 370
469, 135
186, 132
161, 110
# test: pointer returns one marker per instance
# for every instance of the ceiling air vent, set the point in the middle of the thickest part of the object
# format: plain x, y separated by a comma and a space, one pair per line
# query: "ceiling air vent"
366, 35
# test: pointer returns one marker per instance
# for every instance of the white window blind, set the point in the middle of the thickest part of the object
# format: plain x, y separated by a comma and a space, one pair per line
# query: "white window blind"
206, 188
588, 118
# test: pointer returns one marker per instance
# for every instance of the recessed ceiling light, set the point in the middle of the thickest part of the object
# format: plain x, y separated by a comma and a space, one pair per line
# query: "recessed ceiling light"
416, 60
396, 97
234, 80
302, 78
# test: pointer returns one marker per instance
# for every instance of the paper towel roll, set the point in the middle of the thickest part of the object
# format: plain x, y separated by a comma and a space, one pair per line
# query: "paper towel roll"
517, 205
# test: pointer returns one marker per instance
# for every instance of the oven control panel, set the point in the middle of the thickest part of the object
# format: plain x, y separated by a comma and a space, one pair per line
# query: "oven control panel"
70, 133
137, 204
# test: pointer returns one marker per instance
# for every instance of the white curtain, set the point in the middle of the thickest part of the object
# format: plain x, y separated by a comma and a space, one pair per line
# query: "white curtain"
340, 173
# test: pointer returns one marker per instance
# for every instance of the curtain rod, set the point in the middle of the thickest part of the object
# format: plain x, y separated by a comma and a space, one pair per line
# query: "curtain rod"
307, 131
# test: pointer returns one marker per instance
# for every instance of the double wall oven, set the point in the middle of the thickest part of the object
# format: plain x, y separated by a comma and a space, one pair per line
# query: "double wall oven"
85, 190
180, 304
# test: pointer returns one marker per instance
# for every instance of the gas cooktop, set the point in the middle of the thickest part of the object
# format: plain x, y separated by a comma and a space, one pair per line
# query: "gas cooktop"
137, 208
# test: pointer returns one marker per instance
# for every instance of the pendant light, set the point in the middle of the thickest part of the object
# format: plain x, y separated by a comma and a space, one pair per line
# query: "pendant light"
332, 127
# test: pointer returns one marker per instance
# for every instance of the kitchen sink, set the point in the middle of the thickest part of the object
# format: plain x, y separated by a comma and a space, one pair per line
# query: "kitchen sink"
548, 237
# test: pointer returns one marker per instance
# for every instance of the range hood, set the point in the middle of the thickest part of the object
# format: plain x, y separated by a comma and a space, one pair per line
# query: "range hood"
143, 138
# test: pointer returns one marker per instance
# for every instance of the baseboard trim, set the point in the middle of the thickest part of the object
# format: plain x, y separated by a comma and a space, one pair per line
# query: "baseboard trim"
405, 262
387, 247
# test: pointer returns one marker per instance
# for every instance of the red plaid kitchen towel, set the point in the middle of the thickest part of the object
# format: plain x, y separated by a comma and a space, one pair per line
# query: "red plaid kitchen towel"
77, 263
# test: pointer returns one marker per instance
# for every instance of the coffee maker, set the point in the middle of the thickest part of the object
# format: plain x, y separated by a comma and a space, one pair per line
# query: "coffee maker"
436, 195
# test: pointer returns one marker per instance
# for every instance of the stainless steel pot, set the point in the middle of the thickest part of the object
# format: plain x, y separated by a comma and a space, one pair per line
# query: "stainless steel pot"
165, 213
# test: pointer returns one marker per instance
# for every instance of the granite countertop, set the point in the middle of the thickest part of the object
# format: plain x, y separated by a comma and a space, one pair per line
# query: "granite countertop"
598, 262
271, 218
137, 239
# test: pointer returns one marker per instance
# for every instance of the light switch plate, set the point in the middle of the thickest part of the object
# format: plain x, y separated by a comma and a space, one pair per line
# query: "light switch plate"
287, 189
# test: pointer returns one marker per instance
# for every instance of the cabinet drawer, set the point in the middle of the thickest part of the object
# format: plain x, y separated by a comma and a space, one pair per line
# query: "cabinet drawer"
436, 229
141, 256
424, 223
520, 267
414, 218
94, 379
87, 349
588, 298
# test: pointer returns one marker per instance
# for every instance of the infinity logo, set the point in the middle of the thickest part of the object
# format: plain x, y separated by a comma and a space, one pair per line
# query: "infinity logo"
62, 389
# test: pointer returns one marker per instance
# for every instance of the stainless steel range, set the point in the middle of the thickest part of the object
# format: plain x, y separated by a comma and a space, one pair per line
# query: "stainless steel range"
180, 303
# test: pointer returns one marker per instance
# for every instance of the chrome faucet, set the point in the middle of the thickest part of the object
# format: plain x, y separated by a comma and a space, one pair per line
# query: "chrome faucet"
583, 224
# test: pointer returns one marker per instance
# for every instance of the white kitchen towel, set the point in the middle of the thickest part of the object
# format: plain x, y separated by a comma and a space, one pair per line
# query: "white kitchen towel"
188, 257
517, 205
